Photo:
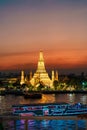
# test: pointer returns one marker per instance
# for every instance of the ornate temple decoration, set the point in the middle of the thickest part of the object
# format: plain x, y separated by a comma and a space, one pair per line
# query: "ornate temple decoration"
41, 75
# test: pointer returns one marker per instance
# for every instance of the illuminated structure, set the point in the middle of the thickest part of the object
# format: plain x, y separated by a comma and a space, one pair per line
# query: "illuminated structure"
41, 75
22, 78
56, 75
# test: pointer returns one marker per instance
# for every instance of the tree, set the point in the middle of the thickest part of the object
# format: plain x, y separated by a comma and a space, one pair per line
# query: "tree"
41, 86
55, 84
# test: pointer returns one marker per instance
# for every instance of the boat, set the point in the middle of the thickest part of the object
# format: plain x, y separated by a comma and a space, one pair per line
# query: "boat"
33, 95
49, 109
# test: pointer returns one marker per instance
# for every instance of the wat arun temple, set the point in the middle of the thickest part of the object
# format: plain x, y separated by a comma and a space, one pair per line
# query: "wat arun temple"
41, 75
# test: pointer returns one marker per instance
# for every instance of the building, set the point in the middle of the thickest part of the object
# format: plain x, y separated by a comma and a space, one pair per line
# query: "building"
22, 78
41, 75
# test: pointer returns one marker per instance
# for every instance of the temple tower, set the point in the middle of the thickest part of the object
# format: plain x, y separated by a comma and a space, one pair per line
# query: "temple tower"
52, 75
41, 66
56, 76
41, 75
30, 75
22, 78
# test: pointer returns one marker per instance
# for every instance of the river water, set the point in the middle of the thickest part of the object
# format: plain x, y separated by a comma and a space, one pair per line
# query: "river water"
7, 101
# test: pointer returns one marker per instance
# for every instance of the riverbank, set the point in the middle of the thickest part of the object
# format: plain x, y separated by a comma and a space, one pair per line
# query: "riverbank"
3, 93
62, 92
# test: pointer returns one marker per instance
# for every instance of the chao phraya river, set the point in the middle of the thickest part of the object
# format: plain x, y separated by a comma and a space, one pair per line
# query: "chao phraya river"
52, 124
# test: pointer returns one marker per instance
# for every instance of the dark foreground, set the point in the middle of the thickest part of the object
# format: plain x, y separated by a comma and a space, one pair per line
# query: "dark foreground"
3, 93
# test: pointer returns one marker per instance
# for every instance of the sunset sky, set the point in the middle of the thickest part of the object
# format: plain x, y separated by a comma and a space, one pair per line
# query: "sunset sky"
57, 27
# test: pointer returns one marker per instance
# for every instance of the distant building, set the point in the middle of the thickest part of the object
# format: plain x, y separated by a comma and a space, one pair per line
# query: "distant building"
40, 76
22, 78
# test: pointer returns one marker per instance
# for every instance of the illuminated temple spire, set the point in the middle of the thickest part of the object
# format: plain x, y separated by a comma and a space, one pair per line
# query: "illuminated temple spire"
41, 66
41, 75
56, 76
22, 78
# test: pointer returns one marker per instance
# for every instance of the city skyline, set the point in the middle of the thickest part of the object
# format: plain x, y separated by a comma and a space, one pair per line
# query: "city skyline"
56, 27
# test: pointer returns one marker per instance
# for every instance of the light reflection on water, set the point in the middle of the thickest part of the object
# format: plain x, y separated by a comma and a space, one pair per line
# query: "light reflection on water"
49, 125
7, 101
